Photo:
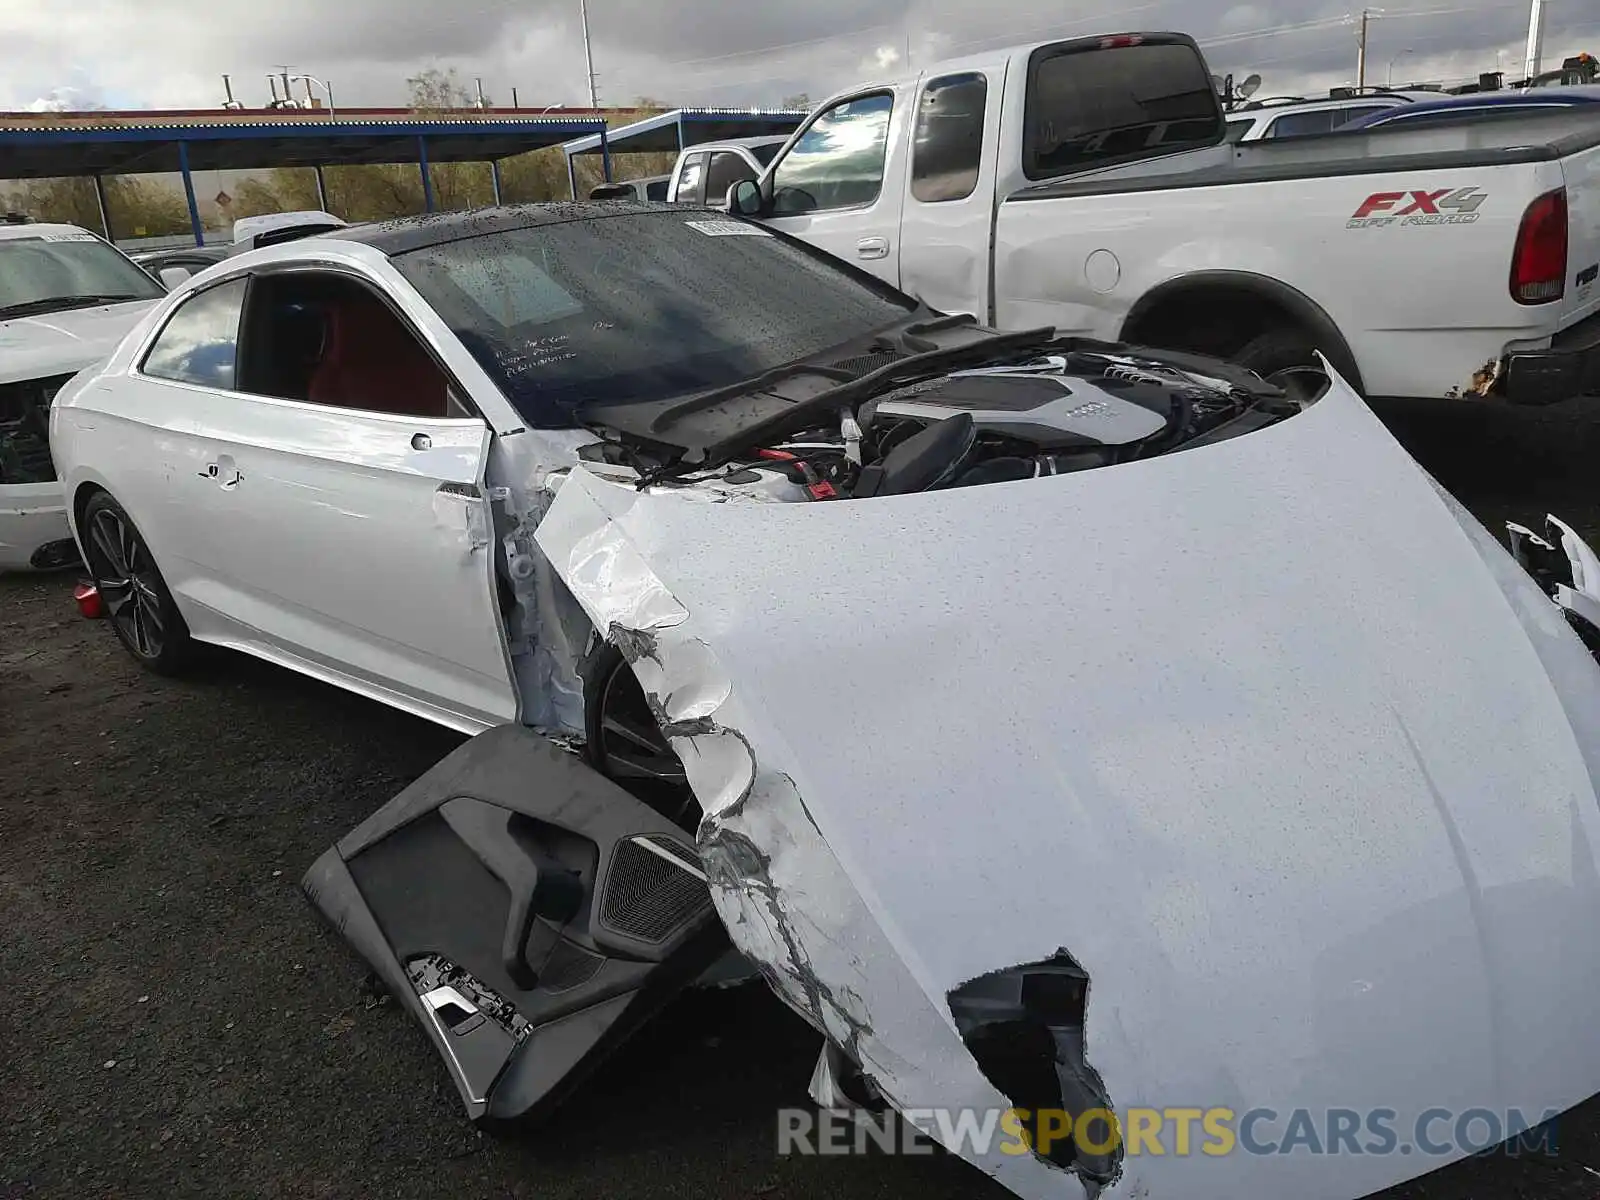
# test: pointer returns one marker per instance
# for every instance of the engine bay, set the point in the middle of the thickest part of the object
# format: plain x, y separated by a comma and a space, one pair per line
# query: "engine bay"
1054, 413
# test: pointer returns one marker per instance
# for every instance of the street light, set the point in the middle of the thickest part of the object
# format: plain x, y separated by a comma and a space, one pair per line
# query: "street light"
1392, 61
327, 90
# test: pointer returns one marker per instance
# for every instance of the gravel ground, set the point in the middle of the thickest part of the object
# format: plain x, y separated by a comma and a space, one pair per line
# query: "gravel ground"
180, 1024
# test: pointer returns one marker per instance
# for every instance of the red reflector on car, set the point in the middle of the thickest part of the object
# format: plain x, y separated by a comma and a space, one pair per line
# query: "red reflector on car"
89, 601
1539, 261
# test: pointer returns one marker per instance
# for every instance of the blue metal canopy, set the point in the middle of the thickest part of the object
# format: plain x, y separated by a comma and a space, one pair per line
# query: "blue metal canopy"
671, 132
51, 150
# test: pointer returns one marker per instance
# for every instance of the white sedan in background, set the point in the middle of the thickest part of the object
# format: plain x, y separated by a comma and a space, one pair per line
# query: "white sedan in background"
1059, 727
67, 298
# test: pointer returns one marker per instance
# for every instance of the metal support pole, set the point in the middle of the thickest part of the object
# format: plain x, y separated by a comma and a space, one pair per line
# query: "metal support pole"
494, 180
105, 211
427, 177
605, 155
322, 189
1533, 61
588, 55
188, 194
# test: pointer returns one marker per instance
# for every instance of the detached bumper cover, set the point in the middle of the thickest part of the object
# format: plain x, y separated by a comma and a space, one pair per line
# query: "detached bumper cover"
1570, 367
33, 527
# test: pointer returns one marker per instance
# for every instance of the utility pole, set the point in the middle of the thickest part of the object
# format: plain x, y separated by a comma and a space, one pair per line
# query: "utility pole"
588, 55
1361, 44
1535, 55
1361, 51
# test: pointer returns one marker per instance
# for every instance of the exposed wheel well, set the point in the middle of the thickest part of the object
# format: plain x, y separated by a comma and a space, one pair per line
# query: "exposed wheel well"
1222, 312
1206, 320
80, 501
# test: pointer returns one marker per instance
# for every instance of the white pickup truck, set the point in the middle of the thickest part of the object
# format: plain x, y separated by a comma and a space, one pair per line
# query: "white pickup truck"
1088, 185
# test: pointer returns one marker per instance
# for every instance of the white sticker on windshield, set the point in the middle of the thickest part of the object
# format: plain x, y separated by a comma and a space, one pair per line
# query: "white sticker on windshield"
68, 237
728, 229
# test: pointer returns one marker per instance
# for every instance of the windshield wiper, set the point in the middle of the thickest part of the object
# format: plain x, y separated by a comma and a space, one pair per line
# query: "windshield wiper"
58, 303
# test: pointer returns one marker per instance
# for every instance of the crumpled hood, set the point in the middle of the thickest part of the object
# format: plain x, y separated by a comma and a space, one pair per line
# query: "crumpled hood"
63, 343
1269, 736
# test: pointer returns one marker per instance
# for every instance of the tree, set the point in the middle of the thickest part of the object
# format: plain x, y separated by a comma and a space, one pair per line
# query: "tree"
139, 206
799, 100
434, 90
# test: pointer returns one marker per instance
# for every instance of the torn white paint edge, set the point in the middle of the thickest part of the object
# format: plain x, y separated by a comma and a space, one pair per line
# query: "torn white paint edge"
788, 904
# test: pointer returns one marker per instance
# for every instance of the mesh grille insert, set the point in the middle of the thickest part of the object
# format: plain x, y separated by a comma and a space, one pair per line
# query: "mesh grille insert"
567, 967
868, 362
648, 897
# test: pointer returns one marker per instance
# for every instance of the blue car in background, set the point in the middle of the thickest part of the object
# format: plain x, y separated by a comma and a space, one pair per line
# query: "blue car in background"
1478, 104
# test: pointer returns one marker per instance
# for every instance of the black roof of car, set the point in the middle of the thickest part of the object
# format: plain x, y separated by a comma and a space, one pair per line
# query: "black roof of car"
433, 229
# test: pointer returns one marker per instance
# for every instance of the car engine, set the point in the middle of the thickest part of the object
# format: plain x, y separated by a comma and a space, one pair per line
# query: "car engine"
1051, 415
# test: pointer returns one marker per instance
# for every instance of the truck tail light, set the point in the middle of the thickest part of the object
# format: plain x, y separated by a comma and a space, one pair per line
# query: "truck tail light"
1539, 262
1120, 41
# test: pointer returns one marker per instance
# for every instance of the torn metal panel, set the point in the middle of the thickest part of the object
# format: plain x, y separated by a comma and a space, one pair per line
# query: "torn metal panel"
546, 630
1252, 733
1482, 383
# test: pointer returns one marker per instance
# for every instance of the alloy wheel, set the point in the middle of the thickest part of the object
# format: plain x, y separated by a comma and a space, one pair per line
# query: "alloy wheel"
125, 575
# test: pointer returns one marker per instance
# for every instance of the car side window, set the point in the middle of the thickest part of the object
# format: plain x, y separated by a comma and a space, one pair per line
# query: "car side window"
328, 339
838, 161
200, 341
727, 169
691, 180
1364, 110
947, 146
1237, 129
1301, 124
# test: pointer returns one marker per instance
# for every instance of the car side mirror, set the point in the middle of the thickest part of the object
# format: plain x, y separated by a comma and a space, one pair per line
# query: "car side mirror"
744, 198
173, 277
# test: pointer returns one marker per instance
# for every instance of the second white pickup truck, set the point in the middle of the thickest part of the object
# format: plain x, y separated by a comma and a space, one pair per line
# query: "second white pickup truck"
1088, 185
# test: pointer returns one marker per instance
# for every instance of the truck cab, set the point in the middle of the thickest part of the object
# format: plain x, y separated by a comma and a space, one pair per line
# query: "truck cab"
901, 177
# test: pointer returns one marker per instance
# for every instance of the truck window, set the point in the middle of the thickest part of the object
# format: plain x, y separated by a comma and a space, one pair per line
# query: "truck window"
838, 161
1091, 105
947, 146
1237, 129
691, 180
727, 169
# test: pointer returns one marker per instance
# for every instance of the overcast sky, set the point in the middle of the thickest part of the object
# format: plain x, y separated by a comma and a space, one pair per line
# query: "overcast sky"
172, 53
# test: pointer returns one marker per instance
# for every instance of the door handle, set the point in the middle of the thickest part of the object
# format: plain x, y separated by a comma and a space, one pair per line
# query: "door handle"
872, 247
223, 472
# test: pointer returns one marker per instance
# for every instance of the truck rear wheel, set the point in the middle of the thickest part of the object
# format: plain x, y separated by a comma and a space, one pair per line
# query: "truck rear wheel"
1287, 357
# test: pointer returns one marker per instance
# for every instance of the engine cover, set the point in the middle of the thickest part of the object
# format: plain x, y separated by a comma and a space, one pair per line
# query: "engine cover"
1052, 411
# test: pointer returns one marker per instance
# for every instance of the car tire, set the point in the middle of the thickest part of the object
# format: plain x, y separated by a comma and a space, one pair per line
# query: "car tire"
137, 603
623, 741
1286, 356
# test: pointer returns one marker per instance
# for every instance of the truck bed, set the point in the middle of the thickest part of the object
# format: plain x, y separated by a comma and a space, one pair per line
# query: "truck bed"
1499, 141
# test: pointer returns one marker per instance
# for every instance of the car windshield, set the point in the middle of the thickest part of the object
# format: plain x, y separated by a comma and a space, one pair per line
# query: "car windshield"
47, 271
640, 306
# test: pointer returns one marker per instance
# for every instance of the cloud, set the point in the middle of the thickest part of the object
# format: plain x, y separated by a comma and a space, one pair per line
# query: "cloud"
155, 53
